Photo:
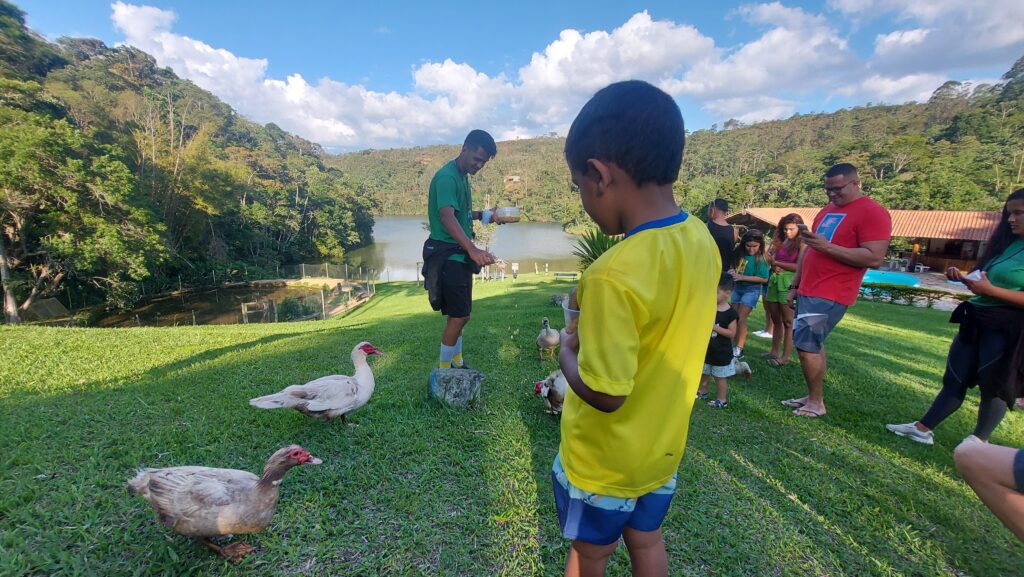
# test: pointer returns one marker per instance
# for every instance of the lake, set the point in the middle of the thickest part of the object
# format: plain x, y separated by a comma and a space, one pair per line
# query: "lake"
398, 246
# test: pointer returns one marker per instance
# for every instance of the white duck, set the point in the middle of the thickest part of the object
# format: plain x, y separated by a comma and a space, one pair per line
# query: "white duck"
547, 340
552, 390
328, 397
203, 502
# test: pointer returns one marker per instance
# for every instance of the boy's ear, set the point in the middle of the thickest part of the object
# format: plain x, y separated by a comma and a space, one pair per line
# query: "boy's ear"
602, 170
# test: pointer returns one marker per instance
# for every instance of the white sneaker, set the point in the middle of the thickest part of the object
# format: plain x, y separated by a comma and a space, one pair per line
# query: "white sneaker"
762, 334
911, 432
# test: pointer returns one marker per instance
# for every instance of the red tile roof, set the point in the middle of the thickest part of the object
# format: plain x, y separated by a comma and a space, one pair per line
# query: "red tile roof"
948, 224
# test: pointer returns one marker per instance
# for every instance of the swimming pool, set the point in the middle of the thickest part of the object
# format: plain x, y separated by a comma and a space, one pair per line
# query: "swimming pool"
889, 277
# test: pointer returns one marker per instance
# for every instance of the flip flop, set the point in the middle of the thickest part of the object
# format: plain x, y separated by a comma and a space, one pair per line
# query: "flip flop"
767, 356
793, 403
807, 413
776, 362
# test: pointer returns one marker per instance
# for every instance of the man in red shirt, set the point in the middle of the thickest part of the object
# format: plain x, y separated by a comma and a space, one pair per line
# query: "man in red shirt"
850, 234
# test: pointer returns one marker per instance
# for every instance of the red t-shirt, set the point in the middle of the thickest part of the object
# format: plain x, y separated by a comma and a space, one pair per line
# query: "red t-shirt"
850, 226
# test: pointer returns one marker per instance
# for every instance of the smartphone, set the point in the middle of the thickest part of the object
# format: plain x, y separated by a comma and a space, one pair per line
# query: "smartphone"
803, 229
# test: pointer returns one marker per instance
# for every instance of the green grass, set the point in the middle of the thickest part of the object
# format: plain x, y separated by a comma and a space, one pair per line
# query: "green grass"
418, 489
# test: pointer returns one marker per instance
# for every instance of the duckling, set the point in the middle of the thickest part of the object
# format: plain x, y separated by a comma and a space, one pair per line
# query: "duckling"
552, 390
547, 340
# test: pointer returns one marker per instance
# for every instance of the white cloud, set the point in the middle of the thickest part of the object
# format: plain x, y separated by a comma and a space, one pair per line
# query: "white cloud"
572, 68
798, 57
950, 34
749, 109
880, 89
799, 51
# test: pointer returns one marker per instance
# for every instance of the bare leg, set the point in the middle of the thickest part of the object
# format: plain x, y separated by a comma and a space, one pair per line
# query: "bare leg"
722, 389
787, 314
774, 314
646, 552
988, 469
453, 330
704, 380
741, 327
588, 560
813, 365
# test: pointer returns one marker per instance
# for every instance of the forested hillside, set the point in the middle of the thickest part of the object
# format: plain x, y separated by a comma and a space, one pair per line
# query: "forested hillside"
962, 150
115, 173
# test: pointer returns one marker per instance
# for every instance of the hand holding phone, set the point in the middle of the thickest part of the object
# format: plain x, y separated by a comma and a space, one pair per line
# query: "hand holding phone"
802, 228
974, 275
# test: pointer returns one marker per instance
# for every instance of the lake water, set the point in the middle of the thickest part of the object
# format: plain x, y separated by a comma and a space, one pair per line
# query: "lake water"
398, 246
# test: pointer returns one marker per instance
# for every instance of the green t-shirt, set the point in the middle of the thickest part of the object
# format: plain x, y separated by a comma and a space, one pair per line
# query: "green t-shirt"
754, 267
449, 187
1005, 271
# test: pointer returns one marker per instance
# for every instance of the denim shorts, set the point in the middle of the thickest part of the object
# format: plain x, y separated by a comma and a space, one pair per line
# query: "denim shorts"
815, 319
600, 519
720, 372
746, 295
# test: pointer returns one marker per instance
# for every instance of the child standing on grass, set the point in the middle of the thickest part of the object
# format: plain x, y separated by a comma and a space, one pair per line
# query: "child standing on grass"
633, 365
718, 362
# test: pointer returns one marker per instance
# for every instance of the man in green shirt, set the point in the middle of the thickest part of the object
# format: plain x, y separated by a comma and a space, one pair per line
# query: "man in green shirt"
451, 216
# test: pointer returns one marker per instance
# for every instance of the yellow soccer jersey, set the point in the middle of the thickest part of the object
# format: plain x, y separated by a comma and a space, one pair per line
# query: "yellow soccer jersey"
646, 308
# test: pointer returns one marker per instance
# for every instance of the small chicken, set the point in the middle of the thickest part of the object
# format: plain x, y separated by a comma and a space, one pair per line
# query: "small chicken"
547, 340
203, 502
328, 397
552, 390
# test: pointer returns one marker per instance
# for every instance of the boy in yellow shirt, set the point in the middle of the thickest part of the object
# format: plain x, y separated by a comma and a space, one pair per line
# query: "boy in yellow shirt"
646, 306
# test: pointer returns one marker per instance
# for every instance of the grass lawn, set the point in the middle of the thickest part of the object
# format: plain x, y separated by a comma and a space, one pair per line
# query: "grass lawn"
418, 489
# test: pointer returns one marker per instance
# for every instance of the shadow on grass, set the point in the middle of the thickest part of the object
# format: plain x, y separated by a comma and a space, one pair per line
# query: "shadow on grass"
419, 489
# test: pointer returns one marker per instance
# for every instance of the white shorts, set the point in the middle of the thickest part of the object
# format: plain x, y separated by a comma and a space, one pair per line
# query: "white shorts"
720, 372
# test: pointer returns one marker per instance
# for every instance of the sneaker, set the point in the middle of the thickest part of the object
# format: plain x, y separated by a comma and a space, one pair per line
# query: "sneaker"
737, 352
762, 334
716, 404
910, 431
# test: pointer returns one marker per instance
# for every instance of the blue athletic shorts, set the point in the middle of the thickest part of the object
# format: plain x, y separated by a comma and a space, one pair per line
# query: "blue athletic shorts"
600, 519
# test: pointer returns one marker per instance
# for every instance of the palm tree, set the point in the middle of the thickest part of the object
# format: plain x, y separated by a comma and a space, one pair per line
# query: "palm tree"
591, 245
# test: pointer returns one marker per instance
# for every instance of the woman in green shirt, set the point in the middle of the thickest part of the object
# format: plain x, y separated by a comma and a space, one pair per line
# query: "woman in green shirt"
988, 351
751, 272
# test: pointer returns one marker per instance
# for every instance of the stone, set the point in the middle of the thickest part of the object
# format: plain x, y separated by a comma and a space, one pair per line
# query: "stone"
455, 387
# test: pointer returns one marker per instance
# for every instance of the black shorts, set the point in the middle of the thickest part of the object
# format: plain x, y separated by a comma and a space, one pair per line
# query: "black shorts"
456, 289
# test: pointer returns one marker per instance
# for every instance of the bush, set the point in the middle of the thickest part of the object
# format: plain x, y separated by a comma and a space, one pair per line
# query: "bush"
293, 308
906, 295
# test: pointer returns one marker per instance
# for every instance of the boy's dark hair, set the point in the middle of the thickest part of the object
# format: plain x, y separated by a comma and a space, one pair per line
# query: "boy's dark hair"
720, 204
480, 139
726, 282
843, 169
633, 124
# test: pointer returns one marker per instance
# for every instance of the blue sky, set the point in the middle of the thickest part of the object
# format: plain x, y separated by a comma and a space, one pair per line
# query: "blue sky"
381, 74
